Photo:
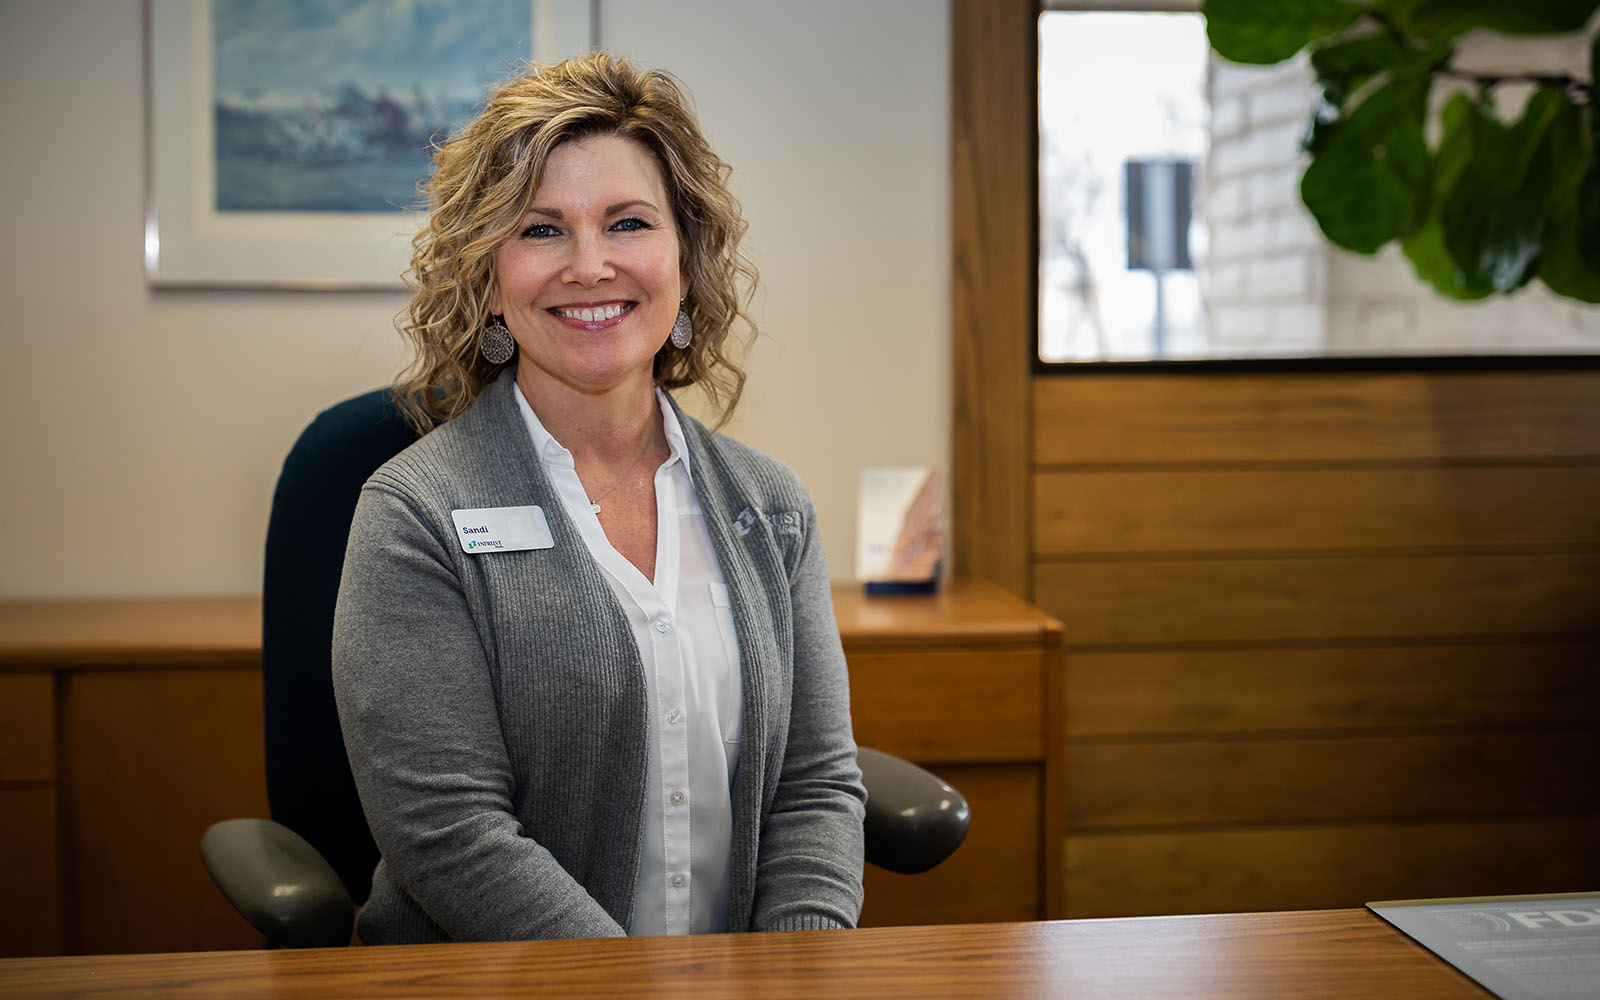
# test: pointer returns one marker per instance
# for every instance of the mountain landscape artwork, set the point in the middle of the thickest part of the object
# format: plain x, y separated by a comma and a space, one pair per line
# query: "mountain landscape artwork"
337, 105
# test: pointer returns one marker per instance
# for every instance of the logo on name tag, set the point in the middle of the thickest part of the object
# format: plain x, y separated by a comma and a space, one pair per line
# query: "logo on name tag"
502, 529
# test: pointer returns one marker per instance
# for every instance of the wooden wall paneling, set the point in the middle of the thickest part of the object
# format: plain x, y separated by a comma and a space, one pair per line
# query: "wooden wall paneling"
1382, 550
995, 874
1299, 417
1310, 598
1354, 777
157, 756
994, 259
1083, 512
1335, 865
949, 706
1313, 616
1149, 694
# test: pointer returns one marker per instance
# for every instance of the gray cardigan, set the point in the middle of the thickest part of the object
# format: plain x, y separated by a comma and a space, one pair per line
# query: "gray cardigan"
495, 710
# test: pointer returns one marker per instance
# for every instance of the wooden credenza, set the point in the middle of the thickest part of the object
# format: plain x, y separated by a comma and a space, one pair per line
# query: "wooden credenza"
129, 726
968, 684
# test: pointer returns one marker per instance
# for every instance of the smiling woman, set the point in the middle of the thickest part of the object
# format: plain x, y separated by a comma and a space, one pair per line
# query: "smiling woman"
600, 729
590, 287
482, 195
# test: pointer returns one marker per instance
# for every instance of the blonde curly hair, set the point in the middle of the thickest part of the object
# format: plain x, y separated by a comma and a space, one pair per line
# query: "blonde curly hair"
482, 183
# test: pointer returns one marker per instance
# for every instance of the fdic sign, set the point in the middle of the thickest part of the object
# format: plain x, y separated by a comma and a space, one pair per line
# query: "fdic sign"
1549, 920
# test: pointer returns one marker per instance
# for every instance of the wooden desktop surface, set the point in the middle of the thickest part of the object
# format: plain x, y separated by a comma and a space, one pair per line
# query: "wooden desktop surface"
129, 632
1318, 953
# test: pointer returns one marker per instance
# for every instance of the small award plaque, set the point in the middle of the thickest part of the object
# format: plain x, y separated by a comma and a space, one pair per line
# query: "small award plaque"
900, 529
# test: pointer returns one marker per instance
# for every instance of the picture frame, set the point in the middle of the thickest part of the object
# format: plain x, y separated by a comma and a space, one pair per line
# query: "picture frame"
329, 200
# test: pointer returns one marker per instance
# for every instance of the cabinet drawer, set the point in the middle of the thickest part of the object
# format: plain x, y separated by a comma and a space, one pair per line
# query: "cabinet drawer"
27, 728
206, 764
950, 707
994, 875
30, 920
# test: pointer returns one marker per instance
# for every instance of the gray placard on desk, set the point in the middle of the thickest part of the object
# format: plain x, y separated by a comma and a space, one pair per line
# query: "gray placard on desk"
1517, 947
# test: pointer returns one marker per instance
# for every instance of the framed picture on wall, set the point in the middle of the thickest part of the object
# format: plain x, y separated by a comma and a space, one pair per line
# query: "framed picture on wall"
286, 143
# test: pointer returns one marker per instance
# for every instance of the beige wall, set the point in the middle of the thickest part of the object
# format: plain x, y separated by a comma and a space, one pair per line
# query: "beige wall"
143, 430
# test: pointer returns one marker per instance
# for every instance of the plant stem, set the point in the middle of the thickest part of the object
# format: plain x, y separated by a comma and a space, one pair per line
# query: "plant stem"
1583, 90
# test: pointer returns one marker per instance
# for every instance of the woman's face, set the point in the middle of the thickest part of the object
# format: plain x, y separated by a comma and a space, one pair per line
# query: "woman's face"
589, 283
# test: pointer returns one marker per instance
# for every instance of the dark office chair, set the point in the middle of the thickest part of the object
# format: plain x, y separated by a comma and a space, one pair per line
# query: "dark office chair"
296, 877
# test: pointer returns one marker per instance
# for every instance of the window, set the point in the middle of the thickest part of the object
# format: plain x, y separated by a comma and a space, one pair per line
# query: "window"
1171, 226
1122, 129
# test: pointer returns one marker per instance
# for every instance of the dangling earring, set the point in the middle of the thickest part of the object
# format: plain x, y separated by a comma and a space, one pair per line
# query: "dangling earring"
682, 331
496, 344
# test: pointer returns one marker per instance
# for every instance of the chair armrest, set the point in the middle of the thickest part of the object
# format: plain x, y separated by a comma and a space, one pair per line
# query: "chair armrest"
279, 883
914, 820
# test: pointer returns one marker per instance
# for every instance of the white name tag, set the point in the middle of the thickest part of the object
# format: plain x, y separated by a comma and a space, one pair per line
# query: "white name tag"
502, 529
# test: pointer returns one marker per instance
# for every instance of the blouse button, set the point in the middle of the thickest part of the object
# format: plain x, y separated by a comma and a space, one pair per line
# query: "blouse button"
677, 881
674, 717
663, 626
677, 797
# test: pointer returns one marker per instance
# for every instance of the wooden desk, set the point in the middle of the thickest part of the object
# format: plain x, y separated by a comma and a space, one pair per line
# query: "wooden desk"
1329, 954
129, 726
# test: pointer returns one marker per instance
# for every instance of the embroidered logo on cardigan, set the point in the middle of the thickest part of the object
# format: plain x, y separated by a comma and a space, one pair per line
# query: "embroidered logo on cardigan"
784, 522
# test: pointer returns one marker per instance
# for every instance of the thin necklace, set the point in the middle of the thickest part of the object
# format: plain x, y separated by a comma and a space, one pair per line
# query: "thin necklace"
594, 502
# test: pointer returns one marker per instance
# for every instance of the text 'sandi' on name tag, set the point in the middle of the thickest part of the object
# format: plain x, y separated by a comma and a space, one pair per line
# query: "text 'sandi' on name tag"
501, 529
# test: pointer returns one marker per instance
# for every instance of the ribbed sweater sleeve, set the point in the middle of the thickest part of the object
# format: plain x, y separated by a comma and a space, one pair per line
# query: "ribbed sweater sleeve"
808, 875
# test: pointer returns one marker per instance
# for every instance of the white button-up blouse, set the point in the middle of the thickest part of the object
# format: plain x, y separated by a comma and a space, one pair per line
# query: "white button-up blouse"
684, 628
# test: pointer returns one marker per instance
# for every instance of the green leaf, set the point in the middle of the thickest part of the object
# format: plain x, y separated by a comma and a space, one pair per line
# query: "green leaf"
1563, 267
1400, 11
1458, 142
1450, 18
1325, 112
1497, 212
1352, 61
1365, 181
1586, 203
1263, 32
1569, 146
1594, 78
1344, 67
1586, 213
1425, 249
1561, 262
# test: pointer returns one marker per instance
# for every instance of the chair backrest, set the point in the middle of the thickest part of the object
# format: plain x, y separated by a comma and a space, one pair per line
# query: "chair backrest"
309, 786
